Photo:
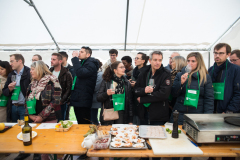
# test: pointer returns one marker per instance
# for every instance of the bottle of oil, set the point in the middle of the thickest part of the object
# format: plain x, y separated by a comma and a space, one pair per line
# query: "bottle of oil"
27, 132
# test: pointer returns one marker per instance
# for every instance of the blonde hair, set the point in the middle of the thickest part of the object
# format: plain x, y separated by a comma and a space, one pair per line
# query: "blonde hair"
41, 69
180, 62
200, 68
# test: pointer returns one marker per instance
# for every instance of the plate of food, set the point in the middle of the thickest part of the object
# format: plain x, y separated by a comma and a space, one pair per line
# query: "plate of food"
20, 136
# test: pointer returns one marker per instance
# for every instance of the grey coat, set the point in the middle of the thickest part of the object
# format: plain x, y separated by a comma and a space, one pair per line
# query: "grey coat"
95, 103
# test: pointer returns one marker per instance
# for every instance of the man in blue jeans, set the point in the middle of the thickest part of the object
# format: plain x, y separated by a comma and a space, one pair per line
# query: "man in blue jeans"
65, 80
15, 88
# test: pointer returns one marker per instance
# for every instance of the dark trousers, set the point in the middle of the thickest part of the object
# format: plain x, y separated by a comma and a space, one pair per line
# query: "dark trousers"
17, 113
63, 111
83, 114
94, 113
67, 112
146, 120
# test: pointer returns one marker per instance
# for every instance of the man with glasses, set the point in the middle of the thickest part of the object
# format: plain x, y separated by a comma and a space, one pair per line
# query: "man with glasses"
113, 53
37, 57
235, 56
169, 66
16, 88
226, 81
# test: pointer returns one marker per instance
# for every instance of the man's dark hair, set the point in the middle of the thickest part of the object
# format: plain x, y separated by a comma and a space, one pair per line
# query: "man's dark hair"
88, 50
144, 57
39, 57
113, 51
18, 57
99, 62
220, 45
127, 58
237, 52
64, 54
59, 56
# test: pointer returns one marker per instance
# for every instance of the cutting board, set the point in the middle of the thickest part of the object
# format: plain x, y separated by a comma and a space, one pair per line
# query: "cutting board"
174, 146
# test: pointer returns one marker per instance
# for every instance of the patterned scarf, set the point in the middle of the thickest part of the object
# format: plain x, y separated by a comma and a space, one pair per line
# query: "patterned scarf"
173, 75
38, 86
118, 83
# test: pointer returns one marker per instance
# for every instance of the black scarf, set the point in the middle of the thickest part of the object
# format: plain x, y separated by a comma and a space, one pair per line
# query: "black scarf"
136, 73
120, 82
217, 70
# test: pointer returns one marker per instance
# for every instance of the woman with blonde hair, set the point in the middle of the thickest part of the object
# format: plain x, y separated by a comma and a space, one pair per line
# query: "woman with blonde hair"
193, 88
44, 93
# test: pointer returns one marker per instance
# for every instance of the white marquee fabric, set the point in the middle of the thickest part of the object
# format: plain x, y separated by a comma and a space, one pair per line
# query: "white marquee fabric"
152, 24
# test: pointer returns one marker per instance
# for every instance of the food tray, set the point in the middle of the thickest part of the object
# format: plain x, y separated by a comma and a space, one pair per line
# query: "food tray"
144, 143
63, 129
143, 132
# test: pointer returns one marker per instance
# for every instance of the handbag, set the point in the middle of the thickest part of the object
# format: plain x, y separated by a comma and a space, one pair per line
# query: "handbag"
109, 114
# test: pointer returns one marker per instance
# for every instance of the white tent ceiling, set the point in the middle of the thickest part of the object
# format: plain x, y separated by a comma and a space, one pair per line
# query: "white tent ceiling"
152, 24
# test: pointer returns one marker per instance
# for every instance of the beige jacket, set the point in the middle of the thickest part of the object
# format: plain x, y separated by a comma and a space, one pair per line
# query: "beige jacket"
3, 81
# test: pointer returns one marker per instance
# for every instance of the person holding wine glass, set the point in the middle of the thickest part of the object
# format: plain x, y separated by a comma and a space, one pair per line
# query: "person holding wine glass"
193, 88
115, 92
153, 97
5, 69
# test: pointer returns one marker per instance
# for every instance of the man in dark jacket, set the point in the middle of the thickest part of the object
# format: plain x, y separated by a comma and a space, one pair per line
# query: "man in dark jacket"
85, 81
65, 80
16, 109
71, 70
221, 71
153, 109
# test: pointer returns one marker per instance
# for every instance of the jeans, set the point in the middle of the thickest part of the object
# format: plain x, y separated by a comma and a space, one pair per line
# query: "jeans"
94, 113
17, 113
63, 111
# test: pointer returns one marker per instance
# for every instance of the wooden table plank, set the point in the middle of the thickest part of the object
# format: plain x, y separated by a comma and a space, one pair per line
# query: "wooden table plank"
47, 141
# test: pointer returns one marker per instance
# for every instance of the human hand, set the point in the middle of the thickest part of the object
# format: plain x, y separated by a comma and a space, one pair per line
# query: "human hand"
75, 54
148, 89
110, 92
32, 117
138, 99
38, 119
11, 86
184, 78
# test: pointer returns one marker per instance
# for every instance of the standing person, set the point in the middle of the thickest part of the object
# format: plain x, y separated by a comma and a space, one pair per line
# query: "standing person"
178, 62
153, 108
71, 70
198, 81
169, 66
37, 57
65, 80
5, 69
140, 62
95, 104
114, 75
127, 62
226, 79
83, 84
113, 53
45, 93
16, 88
235, 57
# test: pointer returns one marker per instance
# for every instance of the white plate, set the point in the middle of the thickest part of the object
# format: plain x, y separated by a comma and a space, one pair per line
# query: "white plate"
19, 136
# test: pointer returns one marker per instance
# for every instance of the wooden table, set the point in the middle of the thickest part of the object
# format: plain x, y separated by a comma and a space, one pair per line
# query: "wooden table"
47, 141
209, 150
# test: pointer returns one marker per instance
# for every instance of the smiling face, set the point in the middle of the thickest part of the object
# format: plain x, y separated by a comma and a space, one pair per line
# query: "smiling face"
113, 57
156, 61
192, 61
120, 71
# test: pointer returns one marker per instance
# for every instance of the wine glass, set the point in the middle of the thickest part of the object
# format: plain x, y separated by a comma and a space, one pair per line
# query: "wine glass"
112, 87
13, 78
188, 69
151, 84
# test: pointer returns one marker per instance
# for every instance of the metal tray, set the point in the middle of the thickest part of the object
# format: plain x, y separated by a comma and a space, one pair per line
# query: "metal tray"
144, 143
143, 132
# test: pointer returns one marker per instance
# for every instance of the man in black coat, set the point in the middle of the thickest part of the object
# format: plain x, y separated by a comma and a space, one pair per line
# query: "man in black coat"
153, 109
85, 81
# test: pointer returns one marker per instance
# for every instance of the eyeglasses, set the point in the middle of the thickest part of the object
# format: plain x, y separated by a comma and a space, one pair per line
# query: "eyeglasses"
13, 61
136, 58
219, 53
234, 60
122, 67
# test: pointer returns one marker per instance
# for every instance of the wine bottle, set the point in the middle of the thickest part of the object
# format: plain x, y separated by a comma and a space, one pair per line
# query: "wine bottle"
27, 132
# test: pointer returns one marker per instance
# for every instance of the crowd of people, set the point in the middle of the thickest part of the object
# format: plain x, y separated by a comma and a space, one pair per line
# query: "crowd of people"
144, 95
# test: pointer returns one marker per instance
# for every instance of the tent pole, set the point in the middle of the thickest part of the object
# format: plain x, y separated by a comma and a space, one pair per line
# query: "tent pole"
223, 34
125, 44
33, 5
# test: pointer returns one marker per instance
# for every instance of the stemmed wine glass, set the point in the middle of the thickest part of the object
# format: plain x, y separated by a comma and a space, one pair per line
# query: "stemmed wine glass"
112, 87
151, 84
13, 78
188, 69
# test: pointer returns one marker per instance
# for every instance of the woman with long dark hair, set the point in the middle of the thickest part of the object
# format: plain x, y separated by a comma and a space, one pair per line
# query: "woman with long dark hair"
120, 99
5, 69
